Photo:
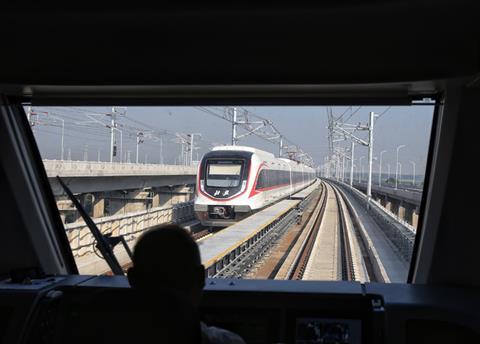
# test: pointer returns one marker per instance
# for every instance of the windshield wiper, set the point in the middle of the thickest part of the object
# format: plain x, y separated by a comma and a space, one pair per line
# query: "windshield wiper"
103, 243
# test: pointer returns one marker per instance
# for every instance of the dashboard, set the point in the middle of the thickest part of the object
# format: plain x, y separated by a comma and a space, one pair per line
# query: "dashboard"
269, 311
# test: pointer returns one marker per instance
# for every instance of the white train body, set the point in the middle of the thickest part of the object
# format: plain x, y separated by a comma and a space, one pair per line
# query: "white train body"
234, 181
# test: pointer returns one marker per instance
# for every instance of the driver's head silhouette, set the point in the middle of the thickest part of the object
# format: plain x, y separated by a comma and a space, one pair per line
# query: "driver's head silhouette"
168, 257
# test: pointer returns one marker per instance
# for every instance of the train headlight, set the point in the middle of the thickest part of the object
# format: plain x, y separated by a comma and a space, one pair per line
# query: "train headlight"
220, 211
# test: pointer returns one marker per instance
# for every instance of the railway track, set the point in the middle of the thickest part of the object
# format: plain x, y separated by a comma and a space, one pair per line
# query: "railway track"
330, 250
318, 240
327, 247
202, 233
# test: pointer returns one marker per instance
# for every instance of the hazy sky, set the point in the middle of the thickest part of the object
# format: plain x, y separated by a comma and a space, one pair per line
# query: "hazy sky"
304, 125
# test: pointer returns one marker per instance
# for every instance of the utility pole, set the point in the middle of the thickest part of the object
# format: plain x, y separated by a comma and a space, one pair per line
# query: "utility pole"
139, 140
55, 118
370, 156
396, 167
182, 154
112, 133
192, 146
63, 135
351, 163
380, 169
413, 176
121, 144
339, 131
234, 127
280, 148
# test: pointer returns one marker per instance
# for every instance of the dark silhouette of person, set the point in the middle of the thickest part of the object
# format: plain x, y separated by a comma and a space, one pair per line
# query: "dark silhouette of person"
168, 256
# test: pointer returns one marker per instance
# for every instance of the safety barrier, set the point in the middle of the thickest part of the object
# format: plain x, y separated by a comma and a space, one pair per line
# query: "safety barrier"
130, 225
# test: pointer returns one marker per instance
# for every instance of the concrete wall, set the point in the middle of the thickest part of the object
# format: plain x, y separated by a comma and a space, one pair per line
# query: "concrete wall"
130, 225
399, 233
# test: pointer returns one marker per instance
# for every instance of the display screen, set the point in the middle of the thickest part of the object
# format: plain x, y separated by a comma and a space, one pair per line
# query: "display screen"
224, 173
327, 331
218, 169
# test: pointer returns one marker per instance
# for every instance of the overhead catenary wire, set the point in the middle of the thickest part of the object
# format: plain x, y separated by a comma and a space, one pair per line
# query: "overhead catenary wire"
93, 123
260, 127
384, 112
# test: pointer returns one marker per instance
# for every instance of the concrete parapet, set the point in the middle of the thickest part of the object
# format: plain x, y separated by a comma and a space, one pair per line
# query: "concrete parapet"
69, 168
131, 226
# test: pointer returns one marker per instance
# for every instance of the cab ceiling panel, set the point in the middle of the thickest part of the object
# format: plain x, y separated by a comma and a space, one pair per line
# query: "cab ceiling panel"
349, 43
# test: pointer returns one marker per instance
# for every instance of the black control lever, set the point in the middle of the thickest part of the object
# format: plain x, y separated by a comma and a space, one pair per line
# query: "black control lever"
103, 243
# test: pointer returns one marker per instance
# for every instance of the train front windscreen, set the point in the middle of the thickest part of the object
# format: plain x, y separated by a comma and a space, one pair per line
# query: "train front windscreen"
223, 173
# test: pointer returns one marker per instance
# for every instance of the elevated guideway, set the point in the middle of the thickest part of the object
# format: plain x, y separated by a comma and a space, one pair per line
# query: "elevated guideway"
403, 202
92, 176
217, 251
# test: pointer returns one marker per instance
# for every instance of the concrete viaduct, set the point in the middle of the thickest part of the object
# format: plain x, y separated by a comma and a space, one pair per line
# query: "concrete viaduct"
404, 203
107, 189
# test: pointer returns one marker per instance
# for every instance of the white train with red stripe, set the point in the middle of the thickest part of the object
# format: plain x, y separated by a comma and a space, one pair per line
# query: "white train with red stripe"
234, 181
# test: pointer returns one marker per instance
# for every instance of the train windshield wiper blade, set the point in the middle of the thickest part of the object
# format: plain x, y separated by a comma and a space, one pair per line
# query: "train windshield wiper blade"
102, 243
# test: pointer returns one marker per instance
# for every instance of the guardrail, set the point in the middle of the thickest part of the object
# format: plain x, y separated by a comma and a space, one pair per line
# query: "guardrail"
71, 168
399, 234
413, 197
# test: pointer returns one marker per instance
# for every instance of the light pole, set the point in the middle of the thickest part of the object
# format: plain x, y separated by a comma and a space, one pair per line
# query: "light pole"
396, 167
388, 174
112, 133
351, 163
400, 172
370, 156
413, 176
380, 172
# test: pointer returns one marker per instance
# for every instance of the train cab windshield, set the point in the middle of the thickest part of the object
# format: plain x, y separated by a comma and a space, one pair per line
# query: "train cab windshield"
224, 173
288, 193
